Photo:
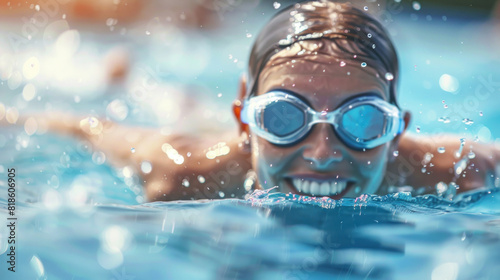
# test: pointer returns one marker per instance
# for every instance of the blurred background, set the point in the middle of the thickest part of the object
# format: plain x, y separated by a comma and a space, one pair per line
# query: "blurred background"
176, 64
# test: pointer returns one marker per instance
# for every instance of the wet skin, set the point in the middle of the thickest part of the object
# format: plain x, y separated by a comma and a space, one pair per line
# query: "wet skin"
326, 85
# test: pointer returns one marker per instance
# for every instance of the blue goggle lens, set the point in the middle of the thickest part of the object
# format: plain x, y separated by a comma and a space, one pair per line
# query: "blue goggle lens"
364, 122
283, 118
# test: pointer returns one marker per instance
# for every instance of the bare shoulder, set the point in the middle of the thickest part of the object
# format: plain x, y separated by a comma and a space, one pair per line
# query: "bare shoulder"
198, 167
424, 161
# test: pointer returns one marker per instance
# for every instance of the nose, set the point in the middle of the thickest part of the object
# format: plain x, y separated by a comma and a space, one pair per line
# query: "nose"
324, 148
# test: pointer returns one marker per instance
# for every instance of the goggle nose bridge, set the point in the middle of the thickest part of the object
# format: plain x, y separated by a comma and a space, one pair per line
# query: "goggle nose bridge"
323, 117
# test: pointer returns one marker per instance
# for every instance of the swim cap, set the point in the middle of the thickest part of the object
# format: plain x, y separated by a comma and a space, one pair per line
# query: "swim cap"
355, 33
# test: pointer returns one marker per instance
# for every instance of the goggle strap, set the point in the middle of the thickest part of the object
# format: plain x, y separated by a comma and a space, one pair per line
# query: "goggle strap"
244, 113
401, 125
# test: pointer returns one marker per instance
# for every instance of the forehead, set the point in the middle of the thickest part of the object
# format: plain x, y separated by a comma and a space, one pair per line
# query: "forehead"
325, 79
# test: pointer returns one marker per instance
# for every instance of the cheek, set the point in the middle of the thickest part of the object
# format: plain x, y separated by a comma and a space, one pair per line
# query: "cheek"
266, 153
373, 162
272, 161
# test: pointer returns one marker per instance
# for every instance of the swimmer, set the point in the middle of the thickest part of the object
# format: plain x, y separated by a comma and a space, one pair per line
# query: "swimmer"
317, 115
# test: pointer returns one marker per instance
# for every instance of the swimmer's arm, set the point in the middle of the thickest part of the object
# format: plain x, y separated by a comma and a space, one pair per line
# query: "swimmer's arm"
413, 168
122, 145
116, 141
131, 146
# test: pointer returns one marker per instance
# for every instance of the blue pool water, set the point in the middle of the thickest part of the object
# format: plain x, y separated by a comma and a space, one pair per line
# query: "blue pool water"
80, 218
265, 237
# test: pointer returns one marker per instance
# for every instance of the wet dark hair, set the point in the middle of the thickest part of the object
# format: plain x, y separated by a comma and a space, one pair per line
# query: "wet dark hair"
353, 32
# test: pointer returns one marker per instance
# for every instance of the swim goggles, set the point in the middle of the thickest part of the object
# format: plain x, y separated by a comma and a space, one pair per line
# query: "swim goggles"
284, 119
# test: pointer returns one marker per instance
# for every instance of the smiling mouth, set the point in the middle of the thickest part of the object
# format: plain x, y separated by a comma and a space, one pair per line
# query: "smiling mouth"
333, 188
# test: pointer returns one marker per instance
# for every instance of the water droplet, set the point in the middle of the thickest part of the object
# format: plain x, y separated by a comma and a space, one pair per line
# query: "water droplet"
98, 158
395, 153
31, 68
146, 167
423, 170
460, 166
445, 106
179, 160
276, 5
369, 35
222, 194
444, 120
441, 188
117, 110
389, 76
369, 162
365, 8
37, 8
219, 95
416, 6
448, 83
185, 183
29, 92
418, 129
188, 154
132, 150
363, 64
201, 179
481, 113
471, 155
357, 140
467, 121
249, 35
342, 63
441, 150
148, 33
357, 190
111, 21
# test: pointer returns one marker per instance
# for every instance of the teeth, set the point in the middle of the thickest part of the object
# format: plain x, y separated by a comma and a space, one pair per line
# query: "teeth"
297, 184
306, 186
319, 188
314, 188
334, 187
324, 189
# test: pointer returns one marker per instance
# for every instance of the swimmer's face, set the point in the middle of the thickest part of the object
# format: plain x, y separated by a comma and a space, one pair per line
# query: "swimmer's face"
320, 156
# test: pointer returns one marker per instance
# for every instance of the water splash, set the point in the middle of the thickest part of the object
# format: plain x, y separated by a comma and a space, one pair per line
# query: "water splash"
467, 121
444, 120
445, 199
